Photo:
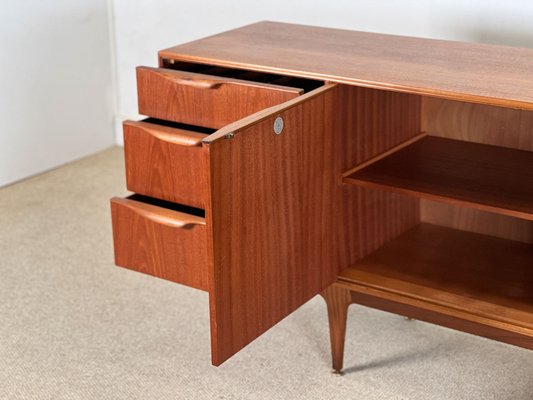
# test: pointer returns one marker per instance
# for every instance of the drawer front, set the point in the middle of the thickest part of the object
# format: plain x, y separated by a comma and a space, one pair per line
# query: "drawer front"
165, 163
204, 100
166, 243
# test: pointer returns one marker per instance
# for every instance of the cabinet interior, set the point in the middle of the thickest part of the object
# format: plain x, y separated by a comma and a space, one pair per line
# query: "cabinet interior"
469, 247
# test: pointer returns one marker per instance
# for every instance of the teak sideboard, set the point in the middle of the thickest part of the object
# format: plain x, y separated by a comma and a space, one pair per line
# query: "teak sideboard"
282, 161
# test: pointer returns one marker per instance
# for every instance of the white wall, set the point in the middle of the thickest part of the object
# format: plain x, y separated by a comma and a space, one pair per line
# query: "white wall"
144, 26
56, 97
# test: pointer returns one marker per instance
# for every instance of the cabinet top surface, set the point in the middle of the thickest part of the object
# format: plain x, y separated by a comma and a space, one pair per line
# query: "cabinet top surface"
481, 73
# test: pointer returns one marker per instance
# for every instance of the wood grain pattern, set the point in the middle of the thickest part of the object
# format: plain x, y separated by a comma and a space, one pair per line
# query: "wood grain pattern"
476, 278
480, 176
159, 241
385, 154
278, 207
369, 122
204, 100
480, 123
446, 69
471, 220
337, 299
165, 163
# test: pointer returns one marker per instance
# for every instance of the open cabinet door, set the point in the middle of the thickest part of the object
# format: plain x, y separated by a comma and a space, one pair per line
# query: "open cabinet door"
282, 223
273, 217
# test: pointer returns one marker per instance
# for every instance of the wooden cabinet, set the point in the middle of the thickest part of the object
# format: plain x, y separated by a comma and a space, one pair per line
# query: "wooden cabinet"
280, 161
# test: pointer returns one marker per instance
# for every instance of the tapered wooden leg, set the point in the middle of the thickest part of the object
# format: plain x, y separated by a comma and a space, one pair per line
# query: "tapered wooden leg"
337, 299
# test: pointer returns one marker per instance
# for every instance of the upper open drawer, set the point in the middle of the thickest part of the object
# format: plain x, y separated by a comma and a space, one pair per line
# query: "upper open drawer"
202, 99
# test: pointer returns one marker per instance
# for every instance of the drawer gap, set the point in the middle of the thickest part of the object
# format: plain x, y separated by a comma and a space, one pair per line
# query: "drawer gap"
254, 76
257, 76
185, 66
168, 205
306, 84
179, 125
221, 71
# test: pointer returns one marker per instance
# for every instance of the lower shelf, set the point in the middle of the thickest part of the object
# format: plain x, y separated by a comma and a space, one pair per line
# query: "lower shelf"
478, 279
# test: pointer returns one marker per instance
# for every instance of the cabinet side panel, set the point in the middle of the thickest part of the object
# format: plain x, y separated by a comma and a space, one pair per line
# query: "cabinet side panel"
283, 224
369, 123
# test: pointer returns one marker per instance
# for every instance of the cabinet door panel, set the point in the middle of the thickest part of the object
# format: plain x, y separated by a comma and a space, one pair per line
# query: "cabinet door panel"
273, 218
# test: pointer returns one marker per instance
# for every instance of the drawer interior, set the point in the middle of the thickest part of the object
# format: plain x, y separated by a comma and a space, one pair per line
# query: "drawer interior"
306, 84
178, 125
168, 205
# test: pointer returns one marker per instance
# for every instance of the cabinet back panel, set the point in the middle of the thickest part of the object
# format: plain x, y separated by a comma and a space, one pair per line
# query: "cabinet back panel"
479, 123
477, 221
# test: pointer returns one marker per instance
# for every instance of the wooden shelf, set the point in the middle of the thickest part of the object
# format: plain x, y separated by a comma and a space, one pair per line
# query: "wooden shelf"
473, 277
480, 176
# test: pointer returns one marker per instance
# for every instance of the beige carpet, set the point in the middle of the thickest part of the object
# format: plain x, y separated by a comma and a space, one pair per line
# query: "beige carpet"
73, 326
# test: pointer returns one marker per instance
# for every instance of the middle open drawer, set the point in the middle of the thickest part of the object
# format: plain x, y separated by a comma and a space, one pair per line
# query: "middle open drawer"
166, 161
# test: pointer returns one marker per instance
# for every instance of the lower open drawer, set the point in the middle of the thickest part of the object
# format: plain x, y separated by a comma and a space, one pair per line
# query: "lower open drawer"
160, 238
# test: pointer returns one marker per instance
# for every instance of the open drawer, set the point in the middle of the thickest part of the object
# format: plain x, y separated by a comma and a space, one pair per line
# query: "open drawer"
203, 99
162, 239
166, 161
